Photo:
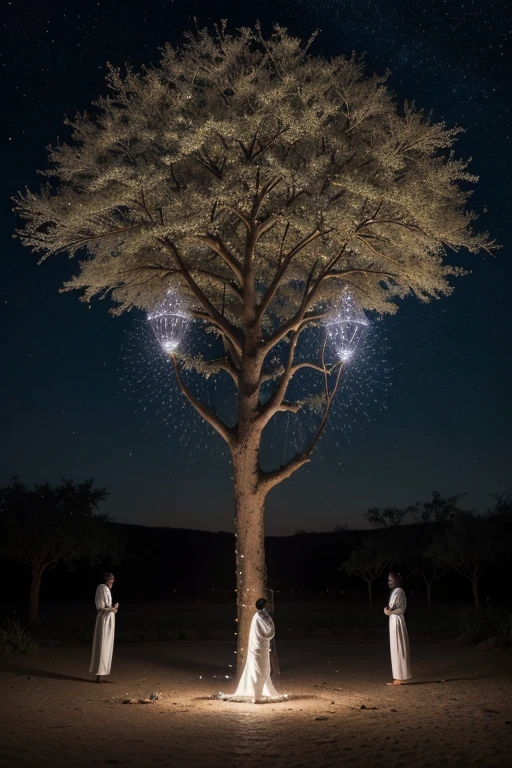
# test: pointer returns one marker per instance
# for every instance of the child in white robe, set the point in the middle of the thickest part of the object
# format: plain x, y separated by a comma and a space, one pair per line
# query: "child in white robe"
398, 636
255, 685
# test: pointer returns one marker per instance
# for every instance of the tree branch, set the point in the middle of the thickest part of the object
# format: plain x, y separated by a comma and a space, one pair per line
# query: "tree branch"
239, 214
309, 296
412, 227
342, 273
229, 330
375, 251
217, 245
219, 278
289, 407
224, 431
276, 400
274, 285
270, 479
84, 240
222, 364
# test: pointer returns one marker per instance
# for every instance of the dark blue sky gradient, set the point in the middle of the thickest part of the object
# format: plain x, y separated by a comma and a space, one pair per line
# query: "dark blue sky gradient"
77, 390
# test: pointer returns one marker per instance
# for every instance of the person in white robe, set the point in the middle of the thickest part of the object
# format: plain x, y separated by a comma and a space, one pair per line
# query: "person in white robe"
255, 685
398, 636
103, 642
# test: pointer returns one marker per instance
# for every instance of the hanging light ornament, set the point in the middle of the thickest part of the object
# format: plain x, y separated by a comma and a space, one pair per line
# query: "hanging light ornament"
169, 322
346, 330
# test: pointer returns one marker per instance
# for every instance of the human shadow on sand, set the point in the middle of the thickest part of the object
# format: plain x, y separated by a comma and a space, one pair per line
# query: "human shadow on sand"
175, 659
449, 680
48, 673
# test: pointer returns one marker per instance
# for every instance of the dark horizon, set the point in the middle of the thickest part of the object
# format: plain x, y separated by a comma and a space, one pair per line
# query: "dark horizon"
80, 398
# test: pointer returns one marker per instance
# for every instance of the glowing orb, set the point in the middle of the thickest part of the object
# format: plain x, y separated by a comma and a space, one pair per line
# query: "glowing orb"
345, 330
169, 322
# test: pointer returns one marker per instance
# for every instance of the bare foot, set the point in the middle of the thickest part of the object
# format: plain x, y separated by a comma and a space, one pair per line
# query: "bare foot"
395, 682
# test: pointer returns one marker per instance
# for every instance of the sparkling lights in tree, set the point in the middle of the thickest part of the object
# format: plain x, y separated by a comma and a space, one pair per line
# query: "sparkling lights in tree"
346, 330
169, 322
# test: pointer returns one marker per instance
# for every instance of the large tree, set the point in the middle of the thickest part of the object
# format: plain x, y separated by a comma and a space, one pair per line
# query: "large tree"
257, 188
48, 524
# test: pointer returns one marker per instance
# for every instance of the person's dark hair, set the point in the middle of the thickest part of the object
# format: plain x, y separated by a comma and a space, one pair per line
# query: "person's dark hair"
261, 603
395, 579
106, 576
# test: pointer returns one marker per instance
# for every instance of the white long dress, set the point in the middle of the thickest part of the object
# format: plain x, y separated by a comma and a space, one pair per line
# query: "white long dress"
398, 636
255, 684
103, 642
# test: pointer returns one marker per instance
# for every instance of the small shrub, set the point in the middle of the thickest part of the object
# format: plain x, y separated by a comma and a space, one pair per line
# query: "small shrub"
14, 639
489, 621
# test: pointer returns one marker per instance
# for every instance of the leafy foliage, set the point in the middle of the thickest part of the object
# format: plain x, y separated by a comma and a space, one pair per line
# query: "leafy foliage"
488, 621
389, 517
45, 524
243, 157
14, 639
438, 510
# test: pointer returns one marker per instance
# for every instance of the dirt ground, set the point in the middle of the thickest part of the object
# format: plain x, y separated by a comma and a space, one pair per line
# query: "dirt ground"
456, 712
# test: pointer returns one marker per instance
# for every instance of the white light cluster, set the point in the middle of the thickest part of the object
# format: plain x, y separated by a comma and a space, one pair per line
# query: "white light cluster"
346, 329
169, 322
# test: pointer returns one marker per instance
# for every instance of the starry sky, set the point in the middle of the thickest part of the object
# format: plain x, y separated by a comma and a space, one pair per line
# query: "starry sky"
84, 394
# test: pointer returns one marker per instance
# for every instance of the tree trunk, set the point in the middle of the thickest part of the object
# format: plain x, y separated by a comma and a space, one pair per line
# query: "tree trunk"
429, 595
476, 594
35, 588
370, 596
251, 576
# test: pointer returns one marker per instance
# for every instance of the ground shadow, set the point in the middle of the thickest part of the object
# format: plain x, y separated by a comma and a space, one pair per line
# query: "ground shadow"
30, 672
449, 680
173, 658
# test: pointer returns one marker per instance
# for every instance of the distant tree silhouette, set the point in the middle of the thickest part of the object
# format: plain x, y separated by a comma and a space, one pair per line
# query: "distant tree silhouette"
438, 510
385, 518
46, 524
424, 561
467, 546
502, 506
368, 561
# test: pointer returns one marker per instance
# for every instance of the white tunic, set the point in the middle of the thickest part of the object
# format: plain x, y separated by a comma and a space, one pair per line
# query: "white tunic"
255, 684
398, 637
103, 642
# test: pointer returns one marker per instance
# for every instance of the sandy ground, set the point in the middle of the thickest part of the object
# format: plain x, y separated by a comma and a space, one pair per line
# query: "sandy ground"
457, 712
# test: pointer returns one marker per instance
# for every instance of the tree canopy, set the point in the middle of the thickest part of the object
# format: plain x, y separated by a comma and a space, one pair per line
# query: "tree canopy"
160, 183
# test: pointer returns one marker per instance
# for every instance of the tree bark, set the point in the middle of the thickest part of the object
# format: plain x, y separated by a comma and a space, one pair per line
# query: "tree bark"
476, 594
35, 588
429, 595
251, 576
370, 595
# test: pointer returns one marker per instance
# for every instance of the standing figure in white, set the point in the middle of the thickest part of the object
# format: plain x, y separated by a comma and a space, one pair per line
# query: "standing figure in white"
398, 637
103, 642
255, 684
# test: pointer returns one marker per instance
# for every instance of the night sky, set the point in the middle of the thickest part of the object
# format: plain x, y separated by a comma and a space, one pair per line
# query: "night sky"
77, 391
